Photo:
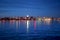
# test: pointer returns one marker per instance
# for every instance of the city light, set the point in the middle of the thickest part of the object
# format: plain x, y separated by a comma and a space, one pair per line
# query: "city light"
27, 15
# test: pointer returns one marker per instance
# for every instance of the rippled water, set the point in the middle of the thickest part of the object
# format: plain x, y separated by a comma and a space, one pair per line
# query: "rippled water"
29, 30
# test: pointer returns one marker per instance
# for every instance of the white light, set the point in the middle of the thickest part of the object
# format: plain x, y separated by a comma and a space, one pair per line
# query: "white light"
27, 25
27, 15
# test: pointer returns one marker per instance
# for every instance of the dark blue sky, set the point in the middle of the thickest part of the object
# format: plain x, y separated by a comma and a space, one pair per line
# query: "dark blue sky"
30, 7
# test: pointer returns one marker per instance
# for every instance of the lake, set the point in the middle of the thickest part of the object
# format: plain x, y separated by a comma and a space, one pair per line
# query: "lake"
29, 30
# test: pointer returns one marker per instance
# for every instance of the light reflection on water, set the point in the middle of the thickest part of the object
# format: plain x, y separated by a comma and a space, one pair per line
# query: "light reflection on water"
32, 28
27, 25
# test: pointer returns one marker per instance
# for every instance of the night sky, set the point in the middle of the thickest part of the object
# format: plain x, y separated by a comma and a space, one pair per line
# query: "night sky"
30, 7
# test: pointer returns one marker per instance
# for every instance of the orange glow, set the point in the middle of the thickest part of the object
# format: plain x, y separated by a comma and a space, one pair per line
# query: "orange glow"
47, 20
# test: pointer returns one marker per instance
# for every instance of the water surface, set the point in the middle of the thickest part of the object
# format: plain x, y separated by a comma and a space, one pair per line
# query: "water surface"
29, 30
